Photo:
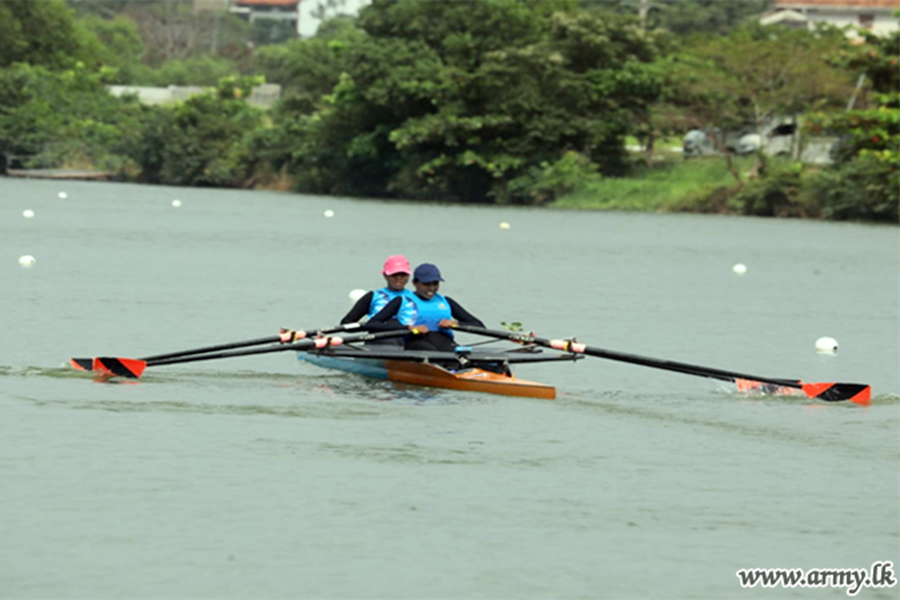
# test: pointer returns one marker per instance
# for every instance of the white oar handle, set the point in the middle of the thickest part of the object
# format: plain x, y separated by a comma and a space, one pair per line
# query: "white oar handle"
568, 346
327, 342
288, 336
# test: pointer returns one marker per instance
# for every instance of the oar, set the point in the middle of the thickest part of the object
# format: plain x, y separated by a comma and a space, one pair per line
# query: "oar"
286, 336
829, 392
133, 368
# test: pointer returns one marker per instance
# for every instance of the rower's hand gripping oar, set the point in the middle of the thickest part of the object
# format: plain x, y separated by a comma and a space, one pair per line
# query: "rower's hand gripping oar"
829, 392
286, 336
133, 368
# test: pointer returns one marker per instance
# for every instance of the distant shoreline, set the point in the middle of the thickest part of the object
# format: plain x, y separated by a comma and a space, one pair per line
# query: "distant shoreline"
60, 174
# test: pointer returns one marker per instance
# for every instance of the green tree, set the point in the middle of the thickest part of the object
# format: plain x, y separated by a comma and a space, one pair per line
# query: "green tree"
201, 141
865, 181
687, 17
64, 118
310, 67
105, 9
114, 43
753, 76
202, 70
38, 33
579, 89
458, 100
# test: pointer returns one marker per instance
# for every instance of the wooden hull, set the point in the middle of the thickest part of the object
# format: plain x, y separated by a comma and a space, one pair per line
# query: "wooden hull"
432, 375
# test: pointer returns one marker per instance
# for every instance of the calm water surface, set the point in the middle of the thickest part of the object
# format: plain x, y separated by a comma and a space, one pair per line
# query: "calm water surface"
262, 477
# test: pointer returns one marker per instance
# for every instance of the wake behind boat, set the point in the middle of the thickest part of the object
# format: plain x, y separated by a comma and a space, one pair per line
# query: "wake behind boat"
465, 369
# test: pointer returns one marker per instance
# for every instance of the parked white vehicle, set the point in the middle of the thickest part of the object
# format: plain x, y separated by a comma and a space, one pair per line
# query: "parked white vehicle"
780, 137
700, 143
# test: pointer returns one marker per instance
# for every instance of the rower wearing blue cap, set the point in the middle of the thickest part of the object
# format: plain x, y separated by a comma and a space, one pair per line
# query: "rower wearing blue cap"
434, 314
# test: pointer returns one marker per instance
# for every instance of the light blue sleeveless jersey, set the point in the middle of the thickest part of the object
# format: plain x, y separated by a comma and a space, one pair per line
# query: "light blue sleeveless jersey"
431, 312
380, 299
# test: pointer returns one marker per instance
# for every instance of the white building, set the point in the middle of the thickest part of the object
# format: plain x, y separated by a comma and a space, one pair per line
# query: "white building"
304, 15
873, 15
309, 21
262, 96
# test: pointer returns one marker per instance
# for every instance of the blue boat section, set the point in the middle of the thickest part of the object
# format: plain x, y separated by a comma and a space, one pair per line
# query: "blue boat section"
359, 366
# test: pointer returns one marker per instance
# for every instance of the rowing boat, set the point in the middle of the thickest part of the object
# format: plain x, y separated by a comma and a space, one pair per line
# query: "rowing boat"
464, 369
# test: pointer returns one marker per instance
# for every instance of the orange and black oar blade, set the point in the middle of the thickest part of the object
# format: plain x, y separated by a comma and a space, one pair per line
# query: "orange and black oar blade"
82, 364
829, 392
110, 366
835, 392
122, 367
857, 393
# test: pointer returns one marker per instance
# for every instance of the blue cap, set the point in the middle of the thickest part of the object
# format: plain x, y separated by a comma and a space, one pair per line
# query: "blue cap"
427, 273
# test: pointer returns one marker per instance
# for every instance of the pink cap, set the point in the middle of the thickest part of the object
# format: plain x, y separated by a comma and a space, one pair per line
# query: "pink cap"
396, 264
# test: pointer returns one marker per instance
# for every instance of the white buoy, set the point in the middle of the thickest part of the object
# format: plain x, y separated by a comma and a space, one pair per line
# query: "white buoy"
356, 294
63, 195
329, 213
504, 225
176, 203
26, 261
28, 213
826, 345
739, 269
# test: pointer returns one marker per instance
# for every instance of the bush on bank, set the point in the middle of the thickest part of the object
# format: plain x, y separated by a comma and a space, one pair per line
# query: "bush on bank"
65, 118
203, 141
861, 190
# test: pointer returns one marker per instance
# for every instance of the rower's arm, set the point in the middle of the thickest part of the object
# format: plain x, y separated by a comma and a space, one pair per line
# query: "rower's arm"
462, 315
386, 318
359, 310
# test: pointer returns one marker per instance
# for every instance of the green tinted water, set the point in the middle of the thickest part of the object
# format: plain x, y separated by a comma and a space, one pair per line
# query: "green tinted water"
264, 477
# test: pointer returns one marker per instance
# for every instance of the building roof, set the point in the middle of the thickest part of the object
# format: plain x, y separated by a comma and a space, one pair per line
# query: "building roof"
855, 5
784, 17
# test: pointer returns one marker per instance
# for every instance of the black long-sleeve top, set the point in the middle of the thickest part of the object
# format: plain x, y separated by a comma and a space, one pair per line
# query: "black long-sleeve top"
359, 310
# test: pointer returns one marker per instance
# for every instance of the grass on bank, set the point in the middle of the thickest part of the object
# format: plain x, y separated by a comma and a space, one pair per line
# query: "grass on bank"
665, 187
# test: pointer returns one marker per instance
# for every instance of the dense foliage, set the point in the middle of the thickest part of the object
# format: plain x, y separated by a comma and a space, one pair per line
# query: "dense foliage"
465, 101
481, 101
199, 141
39, 33
687, 17
52, 118
865, 180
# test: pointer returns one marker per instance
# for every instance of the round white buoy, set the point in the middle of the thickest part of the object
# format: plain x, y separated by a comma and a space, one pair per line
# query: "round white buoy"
176, 203
504, 225
63, 195
28, 213
329, 213
26, 261
826, 345
739, 269
356, 294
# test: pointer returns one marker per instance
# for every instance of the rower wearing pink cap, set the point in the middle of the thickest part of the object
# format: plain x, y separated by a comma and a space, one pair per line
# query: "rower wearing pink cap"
396, 273
433, 315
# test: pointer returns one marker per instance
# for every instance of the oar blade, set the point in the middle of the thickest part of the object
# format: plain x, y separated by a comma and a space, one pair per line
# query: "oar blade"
82, 364
131, 368
858, 393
